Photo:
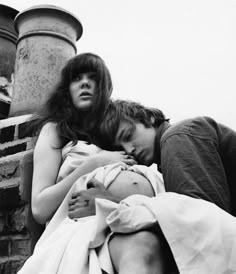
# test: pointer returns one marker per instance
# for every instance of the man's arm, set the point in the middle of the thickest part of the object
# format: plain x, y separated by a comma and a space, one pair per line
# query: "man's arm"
192, 166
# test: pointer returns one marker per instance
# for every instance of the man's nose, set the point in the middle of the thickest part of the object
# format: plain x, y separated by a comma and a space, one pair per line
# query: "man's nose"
129, 148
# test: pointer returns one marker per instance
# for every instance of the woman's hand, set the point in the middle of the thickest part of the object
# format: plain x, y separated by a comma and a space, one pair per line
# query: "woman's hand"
82, 203
111, 157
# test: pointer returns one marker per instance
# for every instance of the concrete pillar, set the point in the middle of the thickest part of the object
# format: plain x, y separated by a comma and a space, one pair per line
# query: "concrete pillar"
8, 37
47, 39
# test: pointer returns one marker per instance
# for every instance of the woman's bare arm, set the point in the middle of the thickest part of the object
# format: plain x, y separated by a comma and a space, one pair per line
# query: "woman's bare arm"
46, 194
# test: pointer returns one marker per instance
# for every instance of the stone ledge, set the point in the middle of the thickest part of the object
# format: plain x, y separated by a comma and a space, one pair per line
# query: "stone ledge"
14, 157
14, 120
9, 169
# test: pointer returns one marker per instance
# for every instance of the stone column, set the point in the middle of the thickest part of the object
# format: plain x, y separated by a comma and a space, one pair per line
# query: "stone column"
8, 37
47, 39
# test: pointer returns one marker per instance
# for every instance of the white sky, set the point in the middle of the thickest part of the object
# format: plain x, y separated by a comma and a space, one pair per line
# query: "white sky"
178, 56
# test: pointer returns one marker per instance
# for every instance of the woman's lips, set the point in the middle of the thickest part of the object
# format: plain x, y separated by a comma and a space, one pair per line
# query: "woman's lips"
85, 94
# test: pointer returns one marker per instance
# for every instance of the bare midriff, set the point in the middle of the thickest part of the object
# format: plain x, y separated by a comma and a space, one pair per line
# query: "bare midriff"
128, 183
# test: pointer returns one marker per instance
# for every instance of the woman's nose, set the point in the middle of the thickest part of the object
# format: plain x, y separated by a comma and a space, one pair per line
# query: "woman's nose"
84, 78
85, 81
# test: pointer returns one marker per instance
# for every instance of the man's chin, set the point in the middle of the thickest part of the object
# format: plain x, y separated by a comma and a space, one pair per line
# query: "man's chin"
145, 162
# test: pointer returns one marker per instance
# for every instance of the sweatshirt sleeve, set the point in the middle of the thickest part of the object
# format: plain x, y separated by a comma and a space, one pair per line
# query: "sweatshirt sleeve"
192, 166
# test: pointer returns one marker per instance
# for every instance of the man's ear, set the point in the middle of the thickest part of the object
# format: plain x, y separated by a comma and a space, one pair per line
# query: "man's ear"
152, 121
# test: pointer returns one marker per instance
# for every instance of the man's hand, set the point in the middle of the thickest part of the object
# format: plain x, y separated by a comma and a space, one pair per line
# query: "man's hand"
82, 203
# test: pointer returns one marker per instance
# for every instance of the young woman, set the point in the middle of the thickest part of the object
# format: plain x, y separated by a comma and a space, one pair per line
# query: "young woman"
71, 113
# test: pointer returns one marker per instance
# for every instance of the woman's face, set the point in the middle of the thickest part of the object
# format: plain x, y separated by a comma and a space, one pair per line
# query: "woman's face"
82, 90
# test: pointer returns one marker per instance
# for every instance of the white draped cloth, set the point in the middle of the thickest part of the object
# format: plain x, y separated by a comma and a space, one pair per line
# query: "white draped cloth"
202, 236
69, 246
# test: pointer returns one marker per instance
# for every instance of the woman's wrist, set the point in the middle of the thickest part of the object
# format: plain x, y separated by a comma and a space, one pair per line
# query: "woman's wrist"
98, 161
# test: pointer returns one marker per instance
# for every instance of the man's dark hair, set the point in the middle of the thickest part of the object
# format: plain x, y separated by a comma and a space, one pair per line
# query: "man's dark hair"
128, 111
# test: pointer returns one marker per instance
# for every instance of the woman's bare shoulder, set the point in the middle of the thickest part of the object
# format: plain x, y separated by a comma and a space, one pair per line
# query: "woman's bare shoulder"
49, 127
49, 134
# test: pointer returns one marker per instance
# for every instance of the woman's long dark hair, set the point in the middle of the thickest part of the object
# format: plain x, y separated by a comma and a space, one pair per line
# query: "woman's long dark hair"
71, 123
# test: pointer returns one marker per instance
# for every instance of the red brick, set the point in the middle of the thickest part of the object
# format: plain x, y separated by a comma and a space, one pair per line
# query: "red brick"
20, 246
11, 265
24, 130
7, 134
4, 247
1, 224
13, 149
9, 196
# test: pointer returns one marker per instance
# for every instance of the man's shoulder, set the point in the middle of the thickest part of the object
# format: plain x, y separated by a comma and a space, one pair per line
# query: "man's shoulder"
190, 126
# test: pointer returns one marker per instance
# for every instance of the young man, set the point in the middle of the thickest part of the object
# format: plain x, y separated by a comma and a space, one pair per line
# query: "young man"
197, 157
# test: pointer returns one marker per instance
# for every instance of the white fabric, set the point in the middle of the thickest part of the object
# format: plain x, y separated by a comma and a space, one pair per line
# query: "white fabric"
73, 156
201, 236
68, 246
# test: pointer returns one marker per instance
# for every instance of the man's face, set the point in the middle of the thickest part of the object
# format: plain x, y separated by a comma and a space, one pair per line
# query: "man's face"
138, 141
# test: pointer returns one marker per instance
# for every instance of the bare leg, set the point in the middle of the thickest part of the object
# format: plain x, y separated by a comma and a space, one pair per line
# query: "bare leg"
140, 252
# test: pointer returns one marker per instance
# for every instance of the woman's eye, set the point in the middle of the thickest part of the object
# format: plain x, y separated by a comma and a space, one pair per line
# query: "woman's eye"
93, 76
77, 77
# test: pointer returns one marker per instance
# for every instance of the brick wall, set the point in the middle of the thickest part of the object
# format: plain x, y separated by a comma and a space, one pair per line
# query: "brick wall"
18, 230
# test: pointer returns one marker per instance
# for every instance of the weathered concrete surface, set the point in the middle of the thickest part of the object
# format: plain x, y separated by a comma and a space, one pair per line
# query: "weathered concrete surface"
47, 39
